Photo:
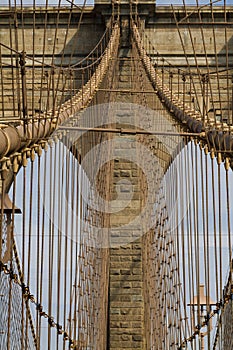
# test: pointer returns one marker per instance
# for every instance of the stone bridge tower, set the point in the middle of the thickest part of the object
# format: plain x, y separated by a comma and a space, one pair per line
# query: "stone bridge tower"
126, 295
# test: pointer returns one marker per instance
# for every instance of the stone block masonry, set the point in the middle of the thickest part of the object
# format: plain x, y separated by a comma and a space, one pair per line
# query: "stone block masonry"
126, 298
126, 305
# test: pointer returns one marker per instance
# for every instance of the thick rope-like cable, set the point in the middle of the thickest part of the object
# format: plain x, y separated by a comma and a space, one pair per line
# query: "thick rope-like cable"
52, 120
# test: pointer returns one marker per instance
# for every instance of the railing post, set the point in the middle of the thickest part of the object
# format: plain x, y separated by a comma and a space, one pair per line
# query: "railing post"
204, 111
163, 74
184, 89
82, 85
22, 64
178, 82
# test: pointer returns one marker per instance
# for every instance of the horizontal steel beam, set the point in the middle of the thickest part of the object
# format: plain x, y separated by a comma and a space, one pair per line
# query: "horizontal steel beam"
131, 131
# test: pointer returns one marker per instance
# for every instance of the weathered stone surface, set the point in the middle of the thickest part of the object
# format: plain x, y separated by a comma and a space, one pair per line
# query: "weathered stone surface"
126, 287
